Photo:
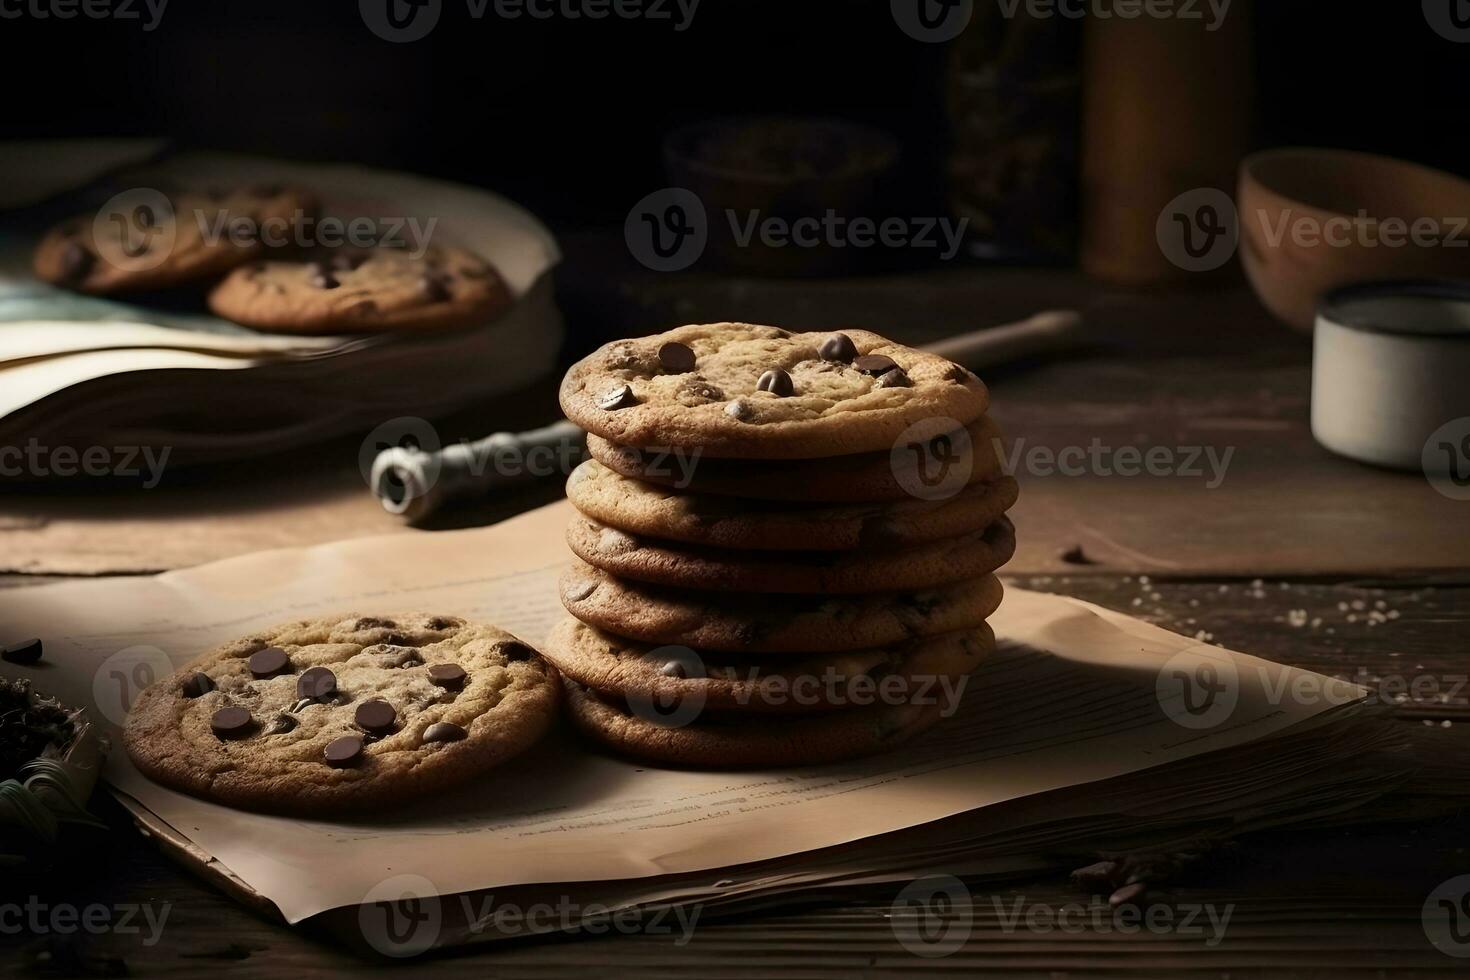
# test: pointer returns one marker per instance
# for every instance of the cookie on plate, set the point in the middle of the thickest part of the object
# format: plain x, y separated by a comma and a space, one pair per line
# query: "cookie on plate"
745, 623
343, 714
726, 522
365, 291
756, 742
162, 240
864, 570
930, 470
671, 679
748, 391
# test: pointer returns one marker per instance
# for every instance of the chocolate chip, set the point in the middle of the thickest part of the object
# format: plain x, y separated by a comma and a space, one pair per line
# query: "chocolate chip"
577, 591
269, 662
874, 364
1075, 556
197, 685
897, 378
316, 682
777, 382
372, 623
517, 652
25, 652
739, 410
376, 716
76, 262
434, 289
231, 722
443, 623
343, 752
676, 357
447, 675
283, 724
443, 731
672, 669
957, 374
620, 397
323, 280
838, 347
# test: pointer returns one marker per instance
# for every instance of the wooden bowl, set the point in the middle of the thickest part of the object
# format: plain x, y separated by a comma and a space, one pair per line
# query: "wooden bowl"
1312, 220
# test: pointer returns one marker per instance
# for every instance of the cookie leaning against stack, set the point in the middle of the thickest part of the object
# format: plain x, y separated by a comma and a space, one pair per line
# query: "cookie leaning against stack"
786, 548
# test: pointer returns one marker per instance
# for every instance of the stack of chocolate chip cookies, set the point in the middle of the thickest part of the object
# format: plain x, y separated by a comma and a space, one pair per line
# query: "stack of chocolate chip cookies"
786, 544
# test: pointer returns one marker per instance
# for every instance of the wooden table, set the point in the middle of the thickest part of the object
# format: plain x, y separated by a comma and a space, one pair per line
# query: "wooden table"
1296, 556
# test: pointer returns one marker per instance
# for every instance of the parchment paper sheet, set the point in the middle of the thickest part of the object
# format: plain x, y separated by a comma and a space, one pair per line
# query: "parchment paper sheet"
1082, 694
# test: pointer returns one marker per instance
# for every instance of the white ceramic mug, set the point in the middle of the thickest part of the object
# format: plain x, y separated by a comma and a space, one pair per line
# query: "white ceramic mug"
1390, 369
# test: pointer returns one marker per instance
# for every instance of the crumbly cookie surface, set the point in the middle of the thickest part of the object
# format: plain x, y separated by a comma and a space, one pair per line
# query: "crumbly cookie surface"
857, 478
689, 566
749, 391
153, 248
786, 685
767, 624
375, 290
343, 714
719, 521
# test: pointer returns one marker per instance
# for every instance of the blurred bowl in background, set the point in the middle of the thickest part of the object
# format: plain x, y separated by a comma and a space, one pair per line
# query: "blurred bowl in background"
786, 168
1312, 220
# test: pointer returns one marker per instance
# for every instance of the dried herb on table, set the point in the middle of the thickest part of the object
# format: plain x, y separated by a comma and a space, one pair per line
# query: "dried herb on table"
30, 726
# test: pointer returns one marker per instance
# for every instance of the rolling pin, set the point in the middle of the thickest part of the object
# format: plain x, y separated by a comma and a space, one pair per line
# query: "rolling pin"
412, 483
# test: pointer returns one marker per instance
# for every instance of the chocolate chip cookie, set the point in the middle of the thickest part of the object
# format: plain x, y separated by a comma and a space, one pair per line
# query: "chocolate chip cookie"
865, 570
757, 741
726, 522
908, 473
696, 681
746, 623
343, 715
741, 390
371, 291
147, 239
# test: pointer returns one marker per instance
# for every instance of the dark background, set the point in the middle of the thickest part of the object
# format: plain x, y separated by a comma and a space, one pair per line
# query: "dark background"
566, 116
